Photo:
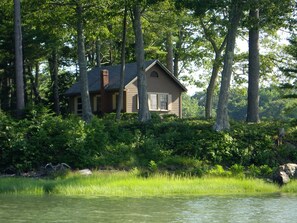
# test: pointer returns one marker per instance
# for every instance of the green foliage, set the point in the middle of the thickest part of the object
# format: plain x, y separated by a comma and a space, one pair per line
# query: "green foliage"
263, 171
153, 167
191, 109
183, 165
272, 105
237, 170
219, 171
182, 146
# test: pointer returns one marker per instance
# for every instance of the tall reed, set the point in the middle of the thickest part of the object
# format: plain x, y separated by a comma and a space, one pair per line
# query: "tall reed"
130, 184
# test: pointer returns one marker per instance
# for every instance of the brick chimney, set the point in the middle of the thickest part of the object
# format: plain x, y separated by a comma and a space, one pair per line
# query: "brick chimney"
104, 82
104, 78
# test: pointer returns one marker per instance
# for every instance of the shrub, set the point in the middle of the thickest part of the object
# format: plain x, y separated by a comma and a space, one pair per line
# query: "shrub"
263, 171
183, 165
119, 156
219, 171
237, 170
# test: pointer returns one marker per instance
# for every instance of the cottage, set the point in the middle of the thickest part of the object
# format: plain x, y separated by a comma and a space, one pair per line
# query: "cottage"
164, 90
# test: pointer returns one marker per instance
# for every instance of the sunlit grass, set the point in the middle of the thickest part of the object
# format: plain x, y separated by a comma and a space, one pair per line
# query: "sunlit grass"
22, 186
129, 184
290, 187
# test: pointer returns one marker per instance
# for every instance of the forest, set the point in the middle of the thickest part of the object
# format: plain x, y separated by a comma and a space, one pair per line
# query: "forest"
239, 55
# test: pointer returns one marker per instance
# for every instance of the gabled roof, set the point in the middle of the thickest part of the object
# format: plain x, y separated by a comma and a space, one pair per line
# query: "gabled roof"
94, 77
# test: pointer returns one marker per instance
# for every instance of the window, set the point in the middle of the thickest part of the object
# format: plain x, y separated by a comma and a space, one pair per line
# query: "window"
78, 106
153, 100
115, 99
163, 99
159, 101
97, 103
154, 74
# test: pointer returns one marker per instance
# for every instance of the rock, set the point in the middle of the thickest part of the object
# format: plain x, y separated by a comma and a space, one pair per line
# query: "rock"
285, 173
289, 169
285, 177
85, 172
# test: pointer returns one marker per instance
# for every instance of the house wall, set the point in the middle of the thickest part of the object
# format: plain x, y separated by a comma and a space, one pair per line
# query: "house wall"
131, 95
161, 84
109, 106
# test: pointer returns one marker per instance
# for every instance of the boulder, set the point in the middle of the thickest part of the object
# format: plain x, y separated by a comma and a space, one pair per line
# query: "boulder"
284, 173
289, 169
85, 172
281, 178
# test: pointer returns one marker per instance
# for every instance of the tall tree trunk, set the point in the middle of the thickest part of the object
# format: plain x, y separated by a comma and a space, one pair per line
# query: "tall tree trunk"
169, 49
176, 53
34, 91
211, 88
20, 93
143, 112
98, 51
82, 63
222, 120
53, 62
37, 75
254, 69
36, 84
123, 62
215, 69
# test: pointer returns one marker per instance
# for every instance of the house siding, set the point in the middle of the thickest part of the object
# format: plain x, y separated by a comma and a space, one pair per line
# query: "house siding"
164, 84
161, 84
131, 97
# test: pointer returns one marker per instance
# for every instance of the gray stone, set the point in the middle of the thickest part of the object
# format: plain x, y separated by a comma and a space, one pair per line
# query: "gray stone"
85, 172
289, 169
285, 172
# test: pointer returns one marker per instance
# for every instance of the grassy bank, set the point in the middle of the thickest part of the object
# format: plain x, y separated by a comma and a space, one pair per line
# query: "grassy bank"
129, 184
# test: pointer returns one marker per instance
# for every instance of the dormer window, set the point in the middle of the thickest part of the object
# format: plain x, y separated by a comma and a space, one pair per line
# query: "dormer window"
154, 74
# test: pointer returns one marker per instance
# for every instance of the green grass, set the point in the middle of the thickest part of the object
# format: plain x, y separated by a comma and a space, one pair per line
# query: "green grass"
290, 187
129, 184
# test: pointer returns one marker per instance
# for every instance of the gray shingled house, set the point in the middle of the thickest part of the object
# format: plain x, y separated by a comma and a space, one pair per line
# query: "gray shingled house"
164, 90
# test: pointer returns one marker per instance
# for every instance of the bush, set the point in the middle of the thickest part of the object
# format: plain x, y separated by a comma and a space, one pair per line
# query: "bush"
14, 152
219, 171
237, 170
183, 165
172, 144
263, 171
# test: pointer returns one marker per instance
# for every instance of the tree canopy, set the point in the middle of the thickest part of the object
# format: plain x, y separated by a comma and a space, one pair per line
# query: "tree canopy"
61, 40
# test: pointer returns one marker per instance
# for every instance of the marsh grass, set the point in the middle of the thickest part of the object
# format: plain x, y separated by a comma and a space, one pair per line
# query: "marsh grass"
129, 184
18, 185
290, 187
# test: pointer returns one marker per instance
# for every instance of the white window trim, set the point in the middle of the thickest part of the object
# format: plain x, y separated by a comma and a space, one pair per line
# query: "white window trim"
76, 106
169, 98
95, 105
169, 101
114, 101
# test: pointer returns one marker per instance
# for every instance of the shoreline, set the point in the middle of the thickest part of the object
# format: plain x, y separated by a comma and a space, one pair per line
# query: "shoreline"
129, 184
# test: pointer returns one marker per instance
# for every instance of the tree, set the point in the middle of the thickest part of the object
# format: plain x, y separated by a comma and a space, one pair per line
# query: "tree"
143, 112
273, 15
123, 61
222, 119
213, 36
19, 59
254, 67
84, 86
53, 67
235, 9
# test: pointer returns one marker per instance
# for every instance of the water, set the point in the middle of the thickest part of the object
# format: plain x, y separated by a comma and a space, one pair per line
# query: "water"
190, 209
